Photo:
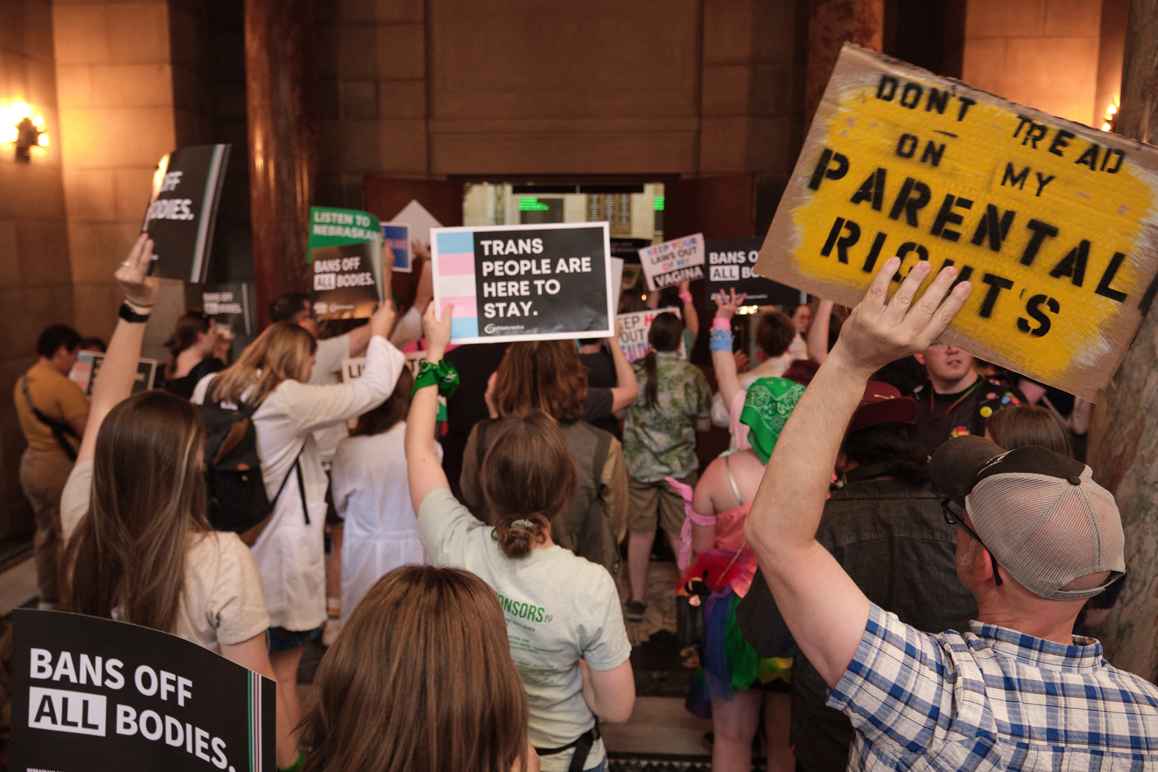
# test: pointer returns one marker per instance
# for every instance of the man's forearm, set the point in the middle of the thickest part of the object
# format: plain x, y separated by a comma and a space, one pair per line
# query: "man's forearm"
788, 505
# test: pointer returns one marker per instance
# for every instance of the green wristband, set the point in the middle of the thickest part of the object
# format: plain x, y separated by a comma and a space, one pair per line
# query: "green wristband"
443, 375
297, 766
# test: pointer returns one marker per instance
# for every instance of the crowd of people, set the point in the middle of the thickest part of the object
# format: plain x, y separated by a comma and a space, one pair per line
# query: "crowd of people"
895, 562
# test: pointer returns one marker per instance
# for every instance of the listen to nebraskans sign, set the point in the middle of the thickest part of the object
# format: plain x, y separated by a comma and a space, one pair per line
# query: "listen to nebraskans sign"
1054, 223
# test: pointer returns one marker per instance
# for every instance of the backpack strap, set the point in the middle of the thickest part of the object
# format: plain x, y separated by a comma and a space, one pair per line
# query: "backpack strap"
296, 468
60, 430
602, 449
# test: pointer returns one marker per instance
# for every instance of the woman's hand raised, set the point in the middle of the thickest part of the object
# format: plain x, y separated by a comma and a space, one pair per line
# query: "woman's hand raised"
132, 275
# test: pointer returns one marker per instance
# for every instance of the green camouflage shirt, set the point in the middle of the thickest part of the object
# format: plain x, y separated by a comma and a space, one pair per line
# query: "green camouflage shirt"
660, 439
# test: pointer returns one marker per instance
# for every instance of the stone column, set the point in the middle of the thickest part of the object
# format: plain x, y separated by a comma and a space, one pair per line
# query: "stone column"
1124, 436
278, 73
831, 24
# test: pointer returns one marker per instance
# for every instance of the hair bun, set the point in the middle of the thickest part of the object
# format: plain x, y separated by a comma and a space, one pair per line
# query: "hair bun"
515, 542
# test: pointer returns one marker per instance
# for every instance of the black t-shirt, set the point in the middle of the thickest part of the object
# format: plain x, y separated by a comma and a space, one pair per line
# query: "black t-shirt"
183, 387
600, 369
600, 380
467, 406
943, 416
890, 537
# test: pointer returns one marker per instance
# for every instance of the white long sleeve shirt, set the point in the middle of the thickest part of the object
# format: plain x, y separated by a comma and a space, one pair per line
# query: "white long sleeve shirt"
289, 552
327, 372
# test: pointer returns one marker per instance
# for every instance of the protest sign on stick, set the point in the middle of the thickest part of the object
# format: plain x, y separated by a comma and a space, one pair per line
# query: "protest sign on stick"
345, 259
732, 265
1053, 223
183, 211
530, 282
92, 693
672, 262
633, 330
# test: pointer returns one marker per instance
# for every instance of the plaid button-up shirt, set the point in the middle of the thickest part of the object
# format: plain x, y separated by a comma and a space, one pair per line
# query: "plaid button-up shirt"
992, 699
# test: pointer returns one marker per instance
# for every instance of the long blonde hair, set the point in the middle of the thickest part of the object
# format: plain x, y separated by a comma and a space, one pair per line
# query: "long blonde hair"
420, 680
281, 353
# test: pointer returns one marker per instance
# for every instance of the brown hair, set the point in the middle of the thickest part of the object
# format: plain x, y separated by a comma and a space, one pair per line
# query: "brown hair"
664, 334
148, 496
282, 352
775, 333
541, 375
389, 413
1023, 425
526, 475
190, 325
420, 680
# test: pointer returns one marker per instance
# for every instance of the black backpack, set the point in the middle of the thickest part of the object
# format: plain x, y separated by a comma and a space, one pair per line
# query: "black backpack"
238, 501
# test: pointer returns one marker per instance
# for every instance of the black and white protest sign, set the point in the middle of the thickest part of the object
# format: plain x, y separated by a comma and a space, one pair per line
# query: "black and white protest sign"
183, 210
732, 265
88, 366
672, 262
352, 368
345, 282
534, 282
90, 693
232, 305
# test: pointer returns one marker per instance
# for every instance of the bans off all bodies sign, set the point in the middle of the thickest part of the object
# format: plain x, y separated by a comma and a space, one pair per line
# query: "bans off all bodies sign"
91, 693
1053, 223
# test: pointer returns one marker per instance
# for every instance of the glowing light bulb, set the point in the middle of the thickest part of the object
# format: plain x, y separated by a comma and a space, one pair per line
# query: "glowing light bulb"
42, 139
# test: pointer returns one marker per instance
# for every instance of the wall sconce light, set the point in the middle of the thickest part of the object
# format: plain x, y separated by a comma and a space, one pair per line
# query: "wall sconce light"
24, 128
1110, 119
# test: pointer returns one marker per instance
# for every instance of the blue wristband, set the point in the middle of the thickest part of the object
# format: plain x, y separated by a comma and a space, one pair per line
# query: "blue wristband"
720, 340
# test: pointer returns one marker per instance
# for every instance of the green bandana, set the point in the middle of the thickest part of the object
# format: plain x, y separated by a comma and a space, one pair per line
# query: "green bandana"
766, 408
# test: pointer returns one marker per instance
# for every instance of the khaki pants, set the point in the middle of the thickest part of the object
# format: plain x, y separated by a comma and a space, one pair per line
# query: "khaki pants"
656, 503
42, 476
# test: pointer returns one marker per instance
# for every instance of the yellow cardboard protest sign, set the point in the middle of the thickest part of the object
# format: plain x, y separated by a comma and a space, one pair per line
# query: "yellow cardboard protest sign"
1054, 223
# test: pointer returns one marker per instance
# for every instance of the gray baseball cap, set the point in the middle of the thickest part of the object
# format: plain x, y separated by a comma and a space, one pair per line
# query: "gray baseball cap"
1039, 513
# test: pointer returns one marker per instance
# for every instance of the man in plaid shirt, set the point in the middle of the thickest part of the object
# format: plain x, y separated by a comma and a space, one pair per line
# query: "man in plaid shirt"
1036, 538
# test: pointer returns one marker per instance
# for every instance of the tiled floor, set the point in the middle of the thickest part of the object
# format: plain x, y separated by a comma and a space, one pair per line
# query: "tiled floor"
17, 586
658, 725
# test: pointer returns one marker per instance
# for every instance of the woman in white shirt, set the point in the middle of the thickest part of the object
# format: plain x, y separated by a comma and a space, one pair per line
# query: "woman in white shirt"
373, 500
273, 374
140, 549
562, 612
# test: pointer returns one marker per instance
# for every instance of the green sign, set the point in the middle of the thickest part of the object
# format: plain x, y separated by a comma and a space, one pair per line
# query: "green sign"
532, 204
332, 227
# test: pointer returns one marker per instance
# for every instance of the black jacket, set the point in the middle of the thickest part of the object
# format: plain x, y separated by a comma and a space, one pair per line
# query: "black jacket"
892, 539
